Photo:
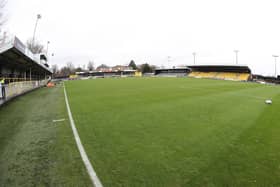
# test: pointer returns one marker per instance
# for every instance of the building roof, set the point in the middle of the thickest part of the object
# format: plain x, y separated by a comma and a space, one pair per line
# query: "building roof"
175, 68
13, 53
221, 68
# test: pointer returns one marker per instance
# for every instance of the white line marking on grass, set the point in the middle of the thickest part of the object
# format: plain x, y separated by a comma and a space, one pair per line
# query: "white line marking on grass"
58, 120
93, 176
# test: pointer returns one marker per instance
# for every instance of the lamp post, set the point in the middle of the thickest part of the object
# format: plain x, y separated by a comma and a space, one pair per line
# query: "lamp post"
47, 47
236, 56
168, 61
50, 59
38, 17
275, 67
194, 55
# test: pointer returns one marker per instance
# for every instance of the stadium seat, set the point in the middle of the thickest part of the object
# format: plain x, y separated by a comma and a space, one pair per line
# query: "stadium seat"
243, 76
221, 75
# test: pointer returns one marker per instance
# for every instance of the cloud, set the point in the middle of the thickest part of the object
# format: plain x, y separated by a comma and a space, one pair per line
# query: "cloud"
113, 32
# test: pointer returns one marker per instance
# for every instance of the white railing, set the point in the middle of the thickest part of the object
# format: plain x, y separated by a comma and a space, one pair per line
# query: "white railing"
17, 88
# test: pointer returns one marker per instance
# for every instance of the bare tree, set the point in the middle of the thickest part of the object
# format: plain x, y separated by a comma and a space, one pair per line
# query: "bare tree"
2, 19
54, 69
70, 66
64, 72
90, 65
67, 70
35, 47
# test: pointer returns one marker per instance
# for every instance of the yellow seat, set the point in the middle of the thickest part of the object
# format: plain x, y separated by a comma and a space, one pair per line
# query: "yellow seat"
221, 75
244, 76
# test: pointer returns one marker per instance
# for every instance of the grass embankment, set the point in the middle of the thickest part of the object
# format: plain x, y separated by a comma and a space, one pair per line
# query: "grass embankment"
179, 132
35, 151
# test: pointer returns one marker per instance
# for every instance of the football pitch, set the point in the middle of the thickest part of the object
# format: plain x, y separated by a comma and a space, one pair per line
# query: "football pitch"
144, 132
179, 132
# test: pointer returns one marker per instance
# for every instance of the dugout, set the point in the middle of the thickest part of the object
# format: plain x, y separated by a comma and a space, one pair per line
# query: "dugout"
225, 72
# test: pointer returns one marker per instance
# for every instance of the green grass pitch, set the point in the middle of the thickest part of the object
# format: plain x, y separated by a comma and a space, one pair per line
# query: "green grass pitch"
35, 151
144, 132
179, 131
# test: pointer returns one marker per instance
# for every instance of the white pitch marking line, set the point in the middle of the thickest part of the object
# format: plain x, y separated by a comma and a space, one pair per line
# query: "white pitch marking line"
93, 176
58, 120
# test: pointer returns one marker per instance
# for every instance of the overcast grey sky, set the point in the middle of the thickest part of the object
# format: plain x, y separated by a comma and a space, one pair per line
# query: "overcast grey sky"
116, 31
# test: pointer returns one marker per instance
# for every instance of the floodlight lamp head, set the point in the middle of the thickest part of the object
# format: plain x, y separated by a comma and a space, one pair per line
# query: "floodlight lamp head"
39, 16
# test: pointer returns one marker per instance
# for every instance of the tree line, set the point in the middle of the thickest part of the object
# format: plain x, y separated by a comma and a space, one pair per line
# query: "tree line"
144, 68
70, 68
37, 47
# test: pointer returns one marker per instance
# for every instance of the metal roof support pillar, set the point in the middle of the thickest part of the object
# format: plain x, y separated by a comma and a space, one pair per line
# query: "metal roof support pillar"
30, 75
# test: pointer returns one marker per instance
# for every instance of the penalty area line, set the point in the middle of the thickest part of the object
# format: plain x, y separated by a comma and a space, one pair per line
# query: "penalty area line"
93, 176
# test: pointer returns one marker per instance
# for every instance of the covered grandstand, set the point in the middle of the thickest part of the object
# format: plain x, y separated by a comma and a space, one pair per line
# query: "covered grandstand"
225, 72
104, 74
20, 69
266, 79
172, 72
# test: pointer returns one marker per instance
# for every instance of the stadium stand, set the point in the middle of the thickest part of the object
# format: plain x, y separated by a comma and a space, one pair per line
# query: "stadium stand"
20, 69
102, 74
174, 72
266, 79
225, 72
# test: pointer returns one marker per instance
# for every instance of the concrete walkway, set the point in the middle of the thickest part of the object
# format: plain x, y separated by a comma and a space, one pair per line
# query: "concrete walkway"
2, 101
